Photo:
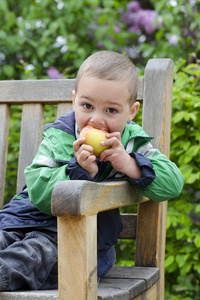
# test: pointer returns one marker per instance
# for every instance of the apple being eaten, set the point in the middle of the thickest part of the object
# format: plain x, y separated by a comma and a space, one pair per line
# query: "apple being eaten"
94, 137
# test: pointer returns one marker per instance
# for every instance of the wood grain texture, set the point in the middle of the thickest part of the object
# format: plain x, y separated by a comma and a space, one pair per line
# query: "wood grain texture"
4, 131
157, 103
77, 268
30, 295
127, 282
63, 108
148, 274
30, 138
151, 294
42, 91
37, 91
129, 222
80, 197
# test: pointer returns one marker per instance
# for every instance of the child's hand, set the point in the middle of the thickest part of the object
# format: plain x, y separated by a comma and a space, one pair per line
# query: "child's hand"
85, 157
121, 161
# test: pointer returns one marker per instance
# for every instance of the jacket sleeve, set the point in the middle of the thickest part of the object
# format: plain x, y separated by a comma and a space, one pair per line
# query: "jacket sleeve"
42, 175
168, 180
54, 162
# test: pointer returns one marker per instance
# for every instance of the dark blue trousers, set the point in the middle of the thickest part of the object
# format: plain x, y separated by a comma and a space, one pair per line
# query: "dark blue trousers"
28, 260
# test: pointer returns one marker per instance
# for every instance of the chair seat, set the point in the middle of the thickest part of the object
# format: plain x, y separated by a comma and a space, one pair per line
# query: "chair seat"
125, 283
30, 295
122, 283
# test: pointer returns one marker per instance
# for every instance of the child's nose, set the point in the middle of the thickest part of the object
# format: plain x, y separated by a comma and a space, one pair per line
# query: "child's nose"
97, 118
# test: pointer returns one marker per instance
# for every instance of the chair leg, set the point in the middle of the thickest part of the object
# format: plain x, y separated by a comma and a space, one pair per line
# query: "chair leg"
77, 258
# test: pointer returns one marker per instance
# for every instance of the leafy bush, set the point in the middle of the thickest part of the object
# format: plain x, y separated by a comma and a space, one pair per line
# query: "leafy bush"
36, 35
178, 34
183, 222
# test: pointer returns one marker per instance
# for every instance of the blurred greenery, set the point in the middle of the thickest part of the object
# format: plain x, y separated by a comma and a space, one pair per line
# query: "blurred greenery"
36, 35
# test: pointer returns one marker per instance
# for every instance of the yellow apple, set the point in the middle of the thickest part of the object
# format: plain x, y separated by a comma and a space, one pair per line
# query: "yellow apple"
94, 137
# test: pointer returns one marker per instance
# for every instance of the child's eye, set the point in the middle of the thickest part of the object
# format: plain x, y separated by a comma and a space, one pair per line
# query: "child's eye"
112, 110
87, 106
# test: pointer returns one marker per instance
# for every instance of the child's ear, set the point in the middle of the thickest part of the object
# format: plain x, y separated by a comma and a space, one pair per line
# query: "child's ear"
133, 111
73, 96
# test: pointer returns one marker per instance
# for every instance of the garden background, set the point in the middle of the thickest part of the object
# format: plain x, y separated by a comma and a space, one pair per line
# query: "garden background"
42, 39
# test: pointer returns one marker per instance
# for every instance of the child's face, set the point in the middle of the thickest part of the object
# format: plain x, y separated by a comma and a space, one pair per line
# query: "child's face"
104, 104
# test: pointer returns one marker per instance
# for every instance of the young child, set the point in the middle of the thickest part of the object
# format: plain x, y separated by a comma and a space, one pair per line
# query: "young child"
104, 97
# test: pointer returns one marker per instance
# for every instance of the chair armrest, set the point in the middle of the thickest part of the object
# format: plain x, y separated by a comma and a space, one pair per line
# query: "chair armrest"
84, 198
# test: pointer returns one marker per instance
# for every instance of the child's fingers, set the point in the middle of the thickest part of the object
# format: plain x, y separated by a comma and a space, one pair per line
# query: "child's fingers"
77, 144
114, 134
113, 142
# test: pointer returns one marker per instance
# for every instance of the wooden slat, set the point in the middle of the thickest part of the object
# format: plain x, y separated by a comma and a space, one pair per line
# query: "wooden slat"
140, 88
30, 138
63, 108
4, 131
149, 275
129, 222
123, 289
151, 294
158, 95
127, 282
77, 265
30, 295
42, 91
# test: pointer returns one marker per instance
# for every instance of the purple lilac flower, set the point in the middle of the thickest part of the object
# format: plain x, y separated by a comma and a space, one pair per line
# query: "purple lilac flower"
53, 73
100, 45
117, 29
173, 40
130, 18
135, 28
133, 6
136, 18
146, 19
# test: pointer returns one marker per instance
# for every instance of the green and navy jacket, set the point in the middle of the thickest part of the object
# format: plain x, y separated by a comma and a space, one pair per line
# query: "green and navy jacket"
55, 161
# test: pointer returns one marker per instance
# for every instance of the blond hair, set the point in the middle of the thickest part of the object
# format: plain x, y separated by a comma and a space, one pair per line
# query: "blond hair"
110, 66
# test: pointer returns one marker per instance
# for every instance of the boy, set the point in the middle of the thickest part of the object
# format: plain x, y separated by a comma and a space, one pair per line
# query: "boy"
104, 97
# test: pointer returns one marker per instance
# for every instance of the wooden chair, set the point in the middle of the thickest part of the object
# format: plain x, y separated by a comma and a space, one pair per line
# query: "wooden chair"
77, 203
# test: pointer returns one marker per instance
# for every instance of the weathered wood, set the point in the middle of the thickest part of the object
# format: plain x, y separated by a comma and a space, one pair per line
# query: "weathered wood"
149, 275
151, 294
147, 242
63, 108
127, 282
30, 138
30, 295
4, 130
37, 91
129, 222
157, 102
81, 197
123, 289
77, 265
42, 91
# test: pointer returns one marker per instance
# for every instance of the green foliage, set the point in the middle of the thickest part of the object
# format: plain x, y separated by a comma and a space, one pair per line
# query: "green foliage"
177, 35
54, 33
183, 222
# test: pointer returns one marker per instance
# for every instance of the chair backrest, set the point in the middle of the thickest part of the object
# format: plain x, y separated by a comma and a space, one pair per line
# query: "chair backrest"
155, 90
